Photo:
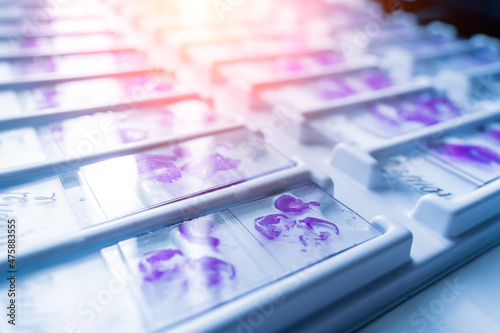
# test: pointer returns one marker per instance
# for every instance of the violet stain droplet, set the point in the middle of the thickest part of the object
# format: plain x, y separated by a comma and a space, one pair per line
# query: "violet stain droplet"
198, 231
214, 271
289, 204
205, 167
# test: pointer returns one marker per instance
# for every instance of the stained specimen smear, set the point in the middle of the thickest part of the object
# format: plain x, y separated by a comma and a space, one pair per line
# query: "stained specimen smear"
327, 59
311, 222
198, 231
427, 110
494, 131
474, 153
205, 167
163, 264
165, 171
308, 231
171, 265
334, 88
495, 134
213, 271
377, 81
287, 203
271, 226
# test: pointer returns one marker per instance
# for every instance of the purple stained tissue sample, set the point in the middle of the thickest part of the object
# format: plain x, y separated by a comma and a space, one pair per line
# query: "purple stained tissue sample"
327, 59
271, 226
494, 132
164, 264
42, 65
334, 88
294, 44
286, 228
165, 171
29, 42
289, 204
198, 231
172, 266
206, 166
181, 152
310, 222
430, 110
427, 110
49, 98
473, 153
213, 271
376, 80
